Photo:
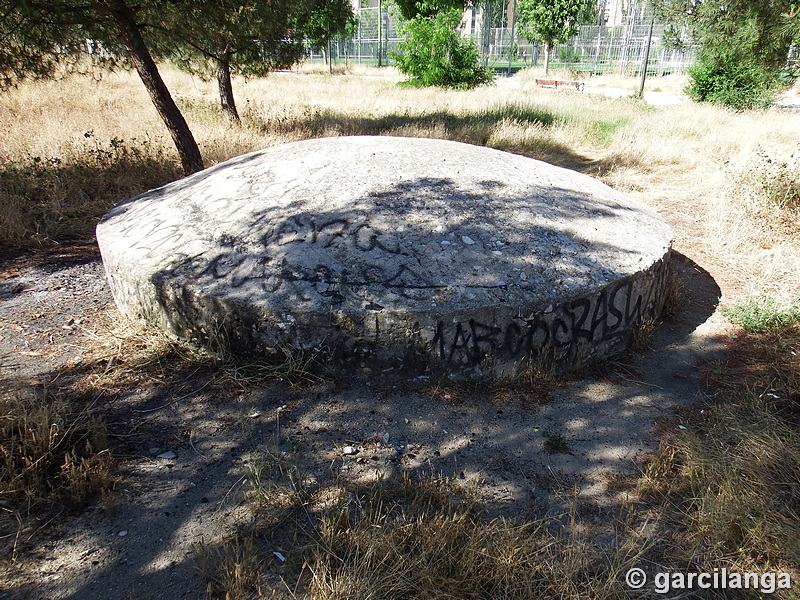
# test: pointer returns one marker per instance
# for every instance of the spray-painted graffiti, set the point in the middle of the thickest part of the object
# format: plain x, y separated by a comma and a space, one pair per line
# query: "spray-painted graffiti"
568, 327
304, 229
296, 255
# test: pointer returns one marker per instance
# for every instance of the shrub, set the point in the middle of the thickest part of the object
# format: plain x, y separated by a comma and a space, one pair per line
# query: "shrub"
433, 54
728, 80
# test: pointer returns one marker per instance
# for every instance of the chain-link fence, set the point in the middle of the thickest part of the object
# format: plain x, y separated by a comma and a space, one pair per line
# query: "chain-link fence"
596, 48
376, 37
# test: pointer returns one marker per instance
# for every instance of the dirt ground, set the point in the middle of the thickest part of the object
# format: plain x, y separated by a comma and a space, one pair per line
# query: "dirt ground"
183, 442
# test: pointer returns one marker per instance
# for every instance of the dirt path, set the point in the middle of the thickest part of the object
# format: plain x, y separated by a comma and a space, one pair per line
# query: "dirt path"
183, 442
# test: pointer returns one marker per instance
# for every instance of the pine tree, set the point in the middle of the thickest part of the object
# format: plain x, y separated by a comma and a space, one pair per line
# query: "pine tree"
40, 36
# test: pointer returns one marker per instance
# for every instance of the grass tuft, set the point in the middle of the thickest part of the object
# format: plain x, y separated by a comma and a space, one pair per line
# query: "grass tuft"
232, 570
764, 313
424, 539
730, 479
53, 452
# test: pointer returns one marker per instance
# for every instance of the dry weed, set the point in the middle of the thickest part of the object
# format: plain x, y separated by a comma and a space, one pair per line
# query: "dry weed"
232, 569
729, 479
53, 452
424, 539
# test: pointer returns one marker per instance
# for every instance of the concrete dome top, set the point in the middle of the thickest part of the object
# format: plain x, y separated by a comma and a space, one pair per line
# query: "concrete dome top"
402, 229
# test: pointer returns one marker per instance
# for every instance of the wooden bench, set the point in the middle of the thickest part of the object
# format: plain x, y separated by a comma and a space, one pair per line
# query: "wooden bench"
556, 83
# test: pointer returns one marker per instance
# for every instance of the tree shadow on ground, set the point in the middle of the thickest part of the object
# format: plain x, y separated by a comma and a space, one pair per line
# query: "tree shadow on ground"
480, 128
223, 431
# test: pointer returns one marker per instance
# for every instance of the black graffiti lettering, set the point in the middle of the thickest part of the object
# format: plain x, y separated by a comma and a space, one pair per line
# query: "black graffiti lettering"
561, 326
438, 339
532, 343
632, 315
366, 239
513, 340
606, 315
221, 266
326, 233
600, 317
333, 295
406, 277
584, 305
291, 231
245, 271
460, 344
614, 310
483, 334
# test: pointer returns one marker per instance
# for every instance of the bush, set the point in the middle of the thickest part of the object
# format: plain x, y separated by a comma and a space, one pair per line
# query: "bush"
433, 54
728, 80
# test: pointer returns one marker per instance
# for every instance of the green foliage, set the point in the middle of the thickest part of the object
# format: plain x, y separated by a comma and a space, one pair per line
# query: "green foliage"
568, 55
39, 39
764, 314
433, 54
603, 130
250, 37
410, 9
744, 46
552, 21
729, 80
555, 444
328, 20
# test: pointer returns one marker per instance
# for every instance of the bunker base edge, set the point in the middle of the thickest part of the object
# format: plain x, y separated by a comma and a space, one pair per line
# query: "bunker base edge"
498, 342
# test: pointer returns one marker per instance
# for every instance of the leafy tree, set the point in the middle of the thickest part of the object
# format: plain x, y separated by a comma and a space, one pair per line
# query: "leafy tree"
433, 53
743, 46
250, 37
38, 34
326, 21
552, 21
410, 9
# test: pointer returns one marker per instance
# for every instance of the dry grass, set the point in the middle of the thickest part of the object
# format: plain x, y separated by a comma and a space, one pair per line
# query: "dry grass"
726, 492
688, 161
232, 569
53, 453
121, 353
730, 479
421, 538
60, 198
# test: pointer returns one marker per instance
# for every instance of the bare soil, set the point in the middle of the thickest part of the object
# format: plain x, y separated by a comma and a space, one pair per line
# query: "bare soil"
182, 438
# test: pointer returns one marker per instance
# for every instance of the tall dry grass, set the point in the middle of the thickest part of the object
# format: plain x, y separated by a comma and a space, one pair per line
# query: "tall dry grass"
688, 161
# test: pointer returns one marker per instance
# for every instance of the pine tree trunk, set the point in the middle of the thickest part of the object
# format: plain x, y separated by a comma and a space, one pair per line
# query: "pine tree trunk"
226, 88
131, 37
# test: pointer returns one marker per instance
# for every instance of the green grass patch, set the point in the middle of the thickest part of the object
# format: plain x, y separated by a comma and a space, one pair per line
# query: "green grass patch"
603, 131
764, 314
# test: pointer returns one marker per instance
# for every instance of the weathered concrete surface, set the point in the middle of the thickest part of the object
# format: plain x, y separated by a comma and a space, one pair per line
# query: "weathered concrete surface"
382, 252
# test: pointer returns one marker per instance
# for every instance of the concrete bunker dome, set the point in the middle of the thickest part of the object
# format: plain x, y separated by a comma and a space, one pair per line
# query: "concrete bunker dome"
384, 252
